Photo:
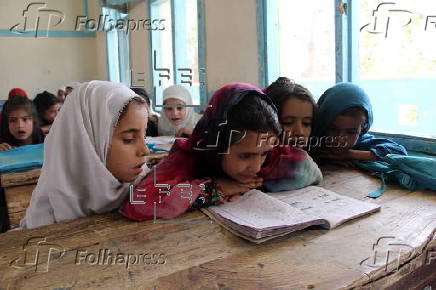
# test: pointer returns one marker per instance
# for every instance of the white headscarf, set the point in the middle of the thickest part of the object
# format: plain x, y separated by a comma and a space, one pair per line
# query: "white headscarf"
74, 181
164, 125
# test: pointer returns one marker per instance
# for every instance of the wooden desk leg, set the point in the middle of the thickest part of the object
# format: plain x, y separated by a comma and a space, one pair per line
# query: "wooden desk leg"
4, 216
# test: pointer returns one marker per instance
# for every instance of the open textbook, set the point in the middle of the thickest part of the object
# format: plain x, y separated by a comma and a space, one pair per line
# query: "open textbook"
258, 216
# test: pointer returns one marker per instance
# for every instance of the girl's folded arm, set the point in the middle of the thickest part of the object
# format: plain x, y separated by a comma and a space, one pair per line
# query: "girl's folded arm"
165, 201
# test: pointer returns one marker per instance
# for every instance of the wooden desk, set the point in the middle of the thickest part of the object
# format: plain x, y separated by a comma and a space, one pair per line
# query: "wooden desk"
203, 255
18, 187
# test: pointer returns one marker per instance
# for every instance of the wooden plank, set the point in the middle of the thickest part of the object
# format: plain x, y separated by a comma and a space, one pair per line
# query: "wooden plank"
17, 200
20, 178
203, 255
18, 197
31, 176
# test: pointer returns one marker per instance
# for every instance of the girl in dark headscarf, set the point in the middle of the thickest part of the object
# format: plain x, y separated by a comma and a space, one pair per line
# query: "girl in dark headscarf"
48, 106
344, 119
232, 150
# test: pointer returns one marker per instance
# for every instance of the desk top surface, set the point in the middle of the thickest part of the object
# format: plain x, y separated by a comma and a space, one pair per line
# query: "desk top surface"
204, 255
31, 176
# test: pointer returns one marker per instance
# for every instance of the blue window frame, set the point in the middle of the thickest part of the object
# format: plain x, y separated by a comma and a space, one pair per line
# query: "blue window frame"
386, 48
177, 51
117, 44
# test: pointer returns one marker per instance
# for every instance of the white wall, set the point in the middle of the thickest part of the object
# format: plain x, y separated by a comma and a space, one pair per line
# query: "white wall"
140, 54
49, 63
231, 42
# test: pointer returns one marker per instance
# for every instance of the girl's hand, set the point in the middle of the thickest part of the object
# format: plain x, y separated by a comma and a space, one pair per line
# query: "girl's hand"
230, 187
347, 155
335, 154
254, 182
184, 132
343, 163
231, 198
5, 146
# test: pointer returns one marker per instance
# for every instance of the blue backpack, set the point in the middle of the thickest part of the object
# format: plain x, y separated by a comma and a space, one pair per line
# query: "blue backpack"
411, 172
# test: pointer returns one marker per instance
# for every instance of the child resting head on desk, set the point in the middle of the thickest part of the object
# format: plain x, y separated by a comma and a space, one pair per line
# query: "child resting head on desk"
19, 124
344, 118
95, 149
227, 155
296, 110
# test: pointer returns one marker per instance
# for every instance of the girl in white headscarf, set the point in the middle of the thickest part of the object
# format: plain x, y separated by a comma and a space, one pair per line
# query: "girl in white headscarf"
177, 119
95, 149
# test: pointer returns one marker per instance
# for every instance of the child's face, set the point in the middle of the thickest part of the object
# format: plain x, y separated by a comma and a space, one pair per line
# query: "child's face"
296, 119
51, 113
61, 95
20, 125
68, 90
175, 114
346, 129
246, 157
127, 150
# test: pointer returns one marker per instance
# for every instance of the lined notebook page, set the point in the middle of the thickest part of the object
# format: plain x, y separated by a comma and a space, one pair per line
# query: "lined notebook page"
326, 204
258, 210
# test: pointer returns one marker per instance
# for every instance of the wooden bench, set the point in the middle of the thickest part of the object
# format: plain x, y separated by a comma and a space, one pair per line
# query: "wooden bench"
395, 248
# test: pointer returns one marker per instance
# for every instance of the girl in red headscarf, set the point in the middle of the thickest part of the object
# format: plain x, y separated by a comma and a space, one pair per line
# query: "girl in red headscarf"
19, 124
17, 92
233, 149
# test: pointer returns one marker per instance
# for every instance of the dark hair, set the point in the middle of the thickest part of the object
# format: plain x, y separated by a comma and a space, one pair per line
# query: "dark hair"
136, 100
252, 113
43, 102
142, 93
284, 89
13, 104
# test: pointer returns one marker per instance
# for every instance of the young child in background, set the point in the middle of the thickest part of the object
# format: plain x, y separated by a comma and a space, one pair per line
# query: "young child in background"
48, 106
176, 119
61, 95
344, 118
17, 92
152, 116
94, 151
70, 87
227, 155
297, 110
19, 124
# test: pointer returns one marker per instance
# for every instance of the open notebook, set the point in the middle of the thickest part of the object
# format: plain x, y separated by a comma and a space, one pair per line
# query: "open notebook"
258, 217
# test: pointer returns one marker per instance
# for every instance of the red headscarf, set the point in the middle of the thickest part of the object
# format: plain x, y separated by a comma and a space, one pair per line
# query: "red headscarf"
183, 164
17, 92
